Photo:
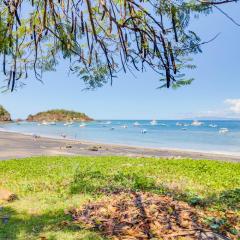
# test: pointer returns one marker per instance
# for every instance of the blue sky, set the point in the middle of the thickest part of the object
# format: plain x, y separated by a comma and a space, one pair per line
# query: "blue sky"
215, 93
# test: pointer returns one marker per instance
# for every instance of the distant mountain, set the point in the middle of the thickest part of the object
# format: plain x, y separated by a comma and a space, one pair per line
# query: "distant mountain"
4, 115
58, 115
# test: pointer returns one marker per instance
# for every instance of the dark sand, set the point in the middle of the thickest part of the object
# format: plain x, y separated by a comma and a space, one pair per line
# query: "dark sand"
15, 145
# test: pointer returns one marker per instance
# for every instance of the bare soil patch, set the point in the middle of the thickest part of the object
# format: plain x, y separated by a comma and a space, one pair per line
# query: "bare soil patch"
6, 195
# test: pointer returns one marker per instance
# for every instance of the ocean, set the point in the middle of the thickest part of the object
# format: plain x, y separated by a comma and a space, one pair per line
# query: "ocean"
206, 136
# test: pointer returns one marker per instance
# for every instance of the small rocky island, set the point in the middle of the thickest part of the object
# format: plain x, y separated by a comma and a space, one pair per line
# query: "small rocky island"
59, 115
4, 115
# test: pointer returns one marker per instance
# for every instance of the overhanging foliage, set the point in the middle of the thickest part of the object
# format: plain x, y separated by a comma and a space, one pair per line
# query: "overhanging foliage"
99, 38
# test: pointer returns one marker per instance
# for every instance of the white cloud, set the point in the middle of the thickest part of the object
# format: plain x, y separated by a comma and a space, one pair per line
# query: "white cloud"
234, 105
229, 110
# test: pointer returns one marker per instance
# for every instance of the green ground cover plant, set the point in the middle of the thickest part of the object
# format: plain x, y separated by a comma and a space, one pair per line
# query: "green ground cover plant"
48, 186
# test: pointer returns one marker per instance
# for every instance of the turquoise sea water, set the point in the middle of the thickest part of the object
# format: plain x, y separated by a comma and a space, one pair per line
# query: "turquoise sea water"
166, 134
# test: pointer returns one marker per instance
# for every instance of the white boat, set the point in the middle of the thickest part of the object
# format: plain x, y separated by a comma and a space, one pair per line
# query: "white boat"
136, 124
223, 130
47, 123
179, 124
213, 125
44, 123
196, 123
68, 123
153, 122
108, 122
124, 126
82, 125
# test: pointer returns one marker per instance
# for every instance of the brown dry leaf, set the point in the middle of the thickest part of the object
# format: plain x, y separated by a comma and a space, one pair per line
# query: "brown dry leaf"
43, 238
142, 216
63, 224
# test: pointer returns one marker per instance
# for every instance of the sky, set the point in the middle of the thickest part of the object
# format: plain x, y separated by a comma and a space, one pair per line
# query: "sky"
215, 92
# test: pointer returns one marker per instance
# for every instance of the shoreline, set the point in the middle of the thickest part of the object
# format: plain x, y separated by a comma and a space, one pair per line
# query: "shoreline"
225, 153
21, 145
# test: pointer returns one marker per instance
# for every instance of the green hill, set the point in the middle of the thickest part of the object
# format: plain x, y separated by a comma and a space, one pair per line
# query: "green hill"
59, 115
4, 114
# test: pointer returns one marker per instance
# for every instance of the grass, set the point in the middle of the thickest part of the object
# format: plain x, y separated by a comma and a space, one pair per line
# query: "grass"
47, 186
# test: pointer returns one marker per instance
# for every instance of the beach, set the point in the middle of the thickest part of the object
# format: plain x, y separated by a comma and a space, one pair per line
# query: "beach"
16, 145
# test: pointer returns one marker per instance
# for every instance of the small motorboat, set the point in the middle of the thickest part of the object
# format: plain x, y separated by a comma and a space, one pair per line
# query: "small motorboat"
153, 122
196, 123
136, 124
52, 123
213, 125
47, 123
68, 123
82, 125
223, 130
43, 123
